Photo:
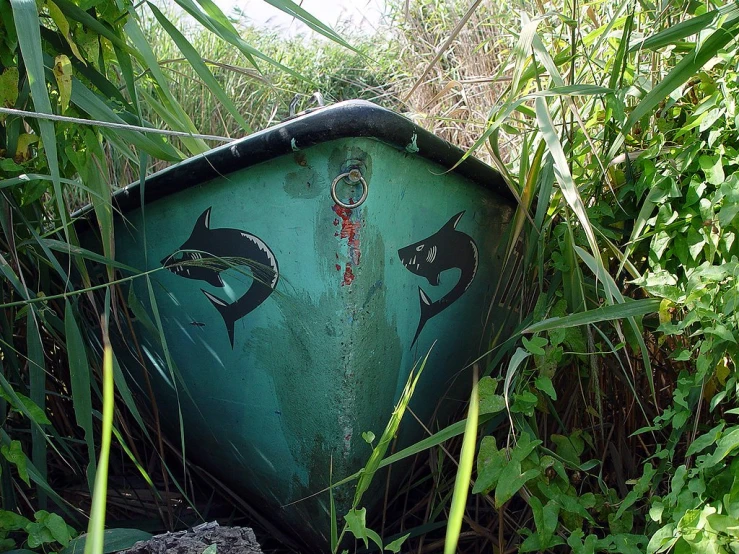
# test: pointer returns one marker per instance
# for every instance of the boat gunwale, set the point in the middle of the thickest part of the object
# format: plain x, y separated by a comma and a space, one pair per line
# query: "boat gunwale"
348, 119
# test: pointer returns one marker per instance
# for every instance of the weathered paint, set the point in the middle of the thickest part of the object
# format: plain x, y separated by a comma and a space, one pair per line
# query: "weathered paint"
349, 229
316, 364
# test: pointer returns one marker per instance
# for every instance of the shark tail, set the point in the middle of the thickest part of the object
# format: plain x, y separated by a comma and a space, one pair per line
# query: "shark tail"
426, 313
223, 309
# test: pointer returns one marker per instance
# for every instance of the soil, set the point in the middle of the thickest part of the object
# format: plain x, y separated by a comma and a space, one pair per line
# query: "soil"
228, 540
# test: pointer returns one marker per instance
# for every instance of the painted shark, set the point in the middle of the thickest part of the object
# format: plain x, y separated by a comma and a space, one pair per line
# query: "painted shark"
197, 259
445, 249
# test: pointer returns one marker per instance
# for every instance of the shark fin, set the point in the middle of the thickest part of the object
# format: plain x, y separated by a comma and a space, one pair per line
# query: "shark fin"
204, 220
426, 313
452, 223
223, 309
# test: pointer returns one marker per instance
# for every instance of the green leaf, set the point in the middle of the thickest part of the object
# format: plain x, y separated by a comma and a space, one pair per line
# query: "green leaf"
212, 549
545, 519
511, 481
396, 545
713, 168
14, 454
38, 534
490, 464
56, 526
115, 540
662, 540
535, 345
544, 384
569, 448
10, 521
26, 406
357, 522
8, 88
726, 445
490, 403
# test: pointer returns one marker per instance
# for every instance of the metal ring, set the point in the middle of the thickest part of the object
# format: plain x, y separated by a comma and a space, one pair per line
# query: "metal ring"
355, 176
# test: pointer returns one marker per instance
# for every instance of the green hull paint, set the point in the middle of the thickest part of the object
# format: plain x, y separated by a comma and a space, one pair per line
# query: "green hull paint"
325, 357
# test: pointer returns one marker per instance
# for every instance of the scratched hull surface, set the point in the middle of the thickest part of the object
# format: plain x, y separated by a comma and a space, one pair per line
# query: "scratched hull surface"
306, 339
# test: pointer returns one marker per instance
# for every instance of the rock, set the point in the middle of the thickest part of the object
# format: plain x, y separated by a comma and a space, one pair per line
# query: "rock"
227, 540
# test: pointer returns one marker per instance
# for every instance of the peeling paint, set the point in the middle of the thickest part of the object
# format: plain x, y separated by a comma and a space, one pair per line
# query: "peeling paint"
348, 275
349, 230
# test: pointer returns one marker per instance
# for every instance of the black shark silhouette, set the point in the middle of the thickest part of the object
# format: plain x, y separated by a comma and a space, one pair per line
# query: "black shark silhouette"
205, 245
445, 249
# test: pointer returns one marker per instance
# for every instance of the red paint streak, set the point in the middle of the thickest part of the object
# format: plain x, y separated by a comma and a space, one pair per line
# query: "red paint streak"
350, 231
348, 275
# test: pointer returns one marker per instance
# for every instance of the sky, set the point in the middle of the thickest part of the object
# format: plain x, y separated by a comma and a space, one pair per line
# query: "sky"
364, 14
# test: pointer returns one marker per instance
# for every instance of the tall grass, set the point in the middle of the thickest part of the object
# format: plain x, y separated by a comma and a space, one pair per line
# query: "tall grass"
576, 112
614, 123
93, 64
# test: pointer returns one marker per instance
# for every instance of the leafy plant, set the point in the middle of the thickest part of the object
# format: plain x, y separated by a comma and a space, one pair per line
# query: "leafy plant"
617, 130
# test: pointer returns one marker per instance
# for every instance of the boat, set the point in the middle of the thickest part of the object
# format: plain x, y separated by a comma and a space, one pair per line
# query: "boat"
299, 274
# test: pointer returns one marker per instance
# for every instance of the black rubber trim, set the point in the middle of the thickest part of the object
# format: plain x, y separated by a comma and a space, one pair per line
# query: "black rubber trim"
354, 118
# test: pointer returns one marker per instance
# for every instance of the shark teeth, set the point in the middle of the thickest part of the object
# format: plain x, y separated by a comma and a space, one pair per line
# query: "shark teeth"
431, 256
264, 248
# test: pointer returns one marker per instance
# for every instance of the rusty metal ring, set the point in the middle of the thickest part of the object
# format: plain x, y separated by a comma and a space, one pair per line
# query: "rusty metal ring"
355, 177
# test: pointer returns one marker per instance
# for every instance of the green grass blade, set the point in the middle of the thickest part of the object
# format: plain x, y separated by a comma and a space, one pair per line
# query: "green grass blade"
295, 10
79, 372
378, 452
136, 35
464, 471
25, 13
690, 27
199, 66
334, 544
97, 109
609, 284
37, 375
634, 308
96, 528
562, 172
229, 34
123, 389
61, 246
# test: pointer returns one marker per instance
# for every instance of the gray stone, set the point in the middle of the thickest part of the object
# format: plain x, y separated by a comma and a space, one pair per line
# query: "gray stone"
227, 540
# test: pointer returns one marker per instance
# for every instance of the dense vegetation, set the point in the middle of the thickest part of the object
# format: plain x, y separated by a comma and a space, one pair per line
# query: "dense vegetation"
615, 124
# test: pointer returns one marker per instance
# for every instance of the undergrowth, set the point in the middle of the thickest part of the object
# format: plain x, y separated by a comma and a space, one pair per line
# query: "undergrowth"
622, 431
608, 422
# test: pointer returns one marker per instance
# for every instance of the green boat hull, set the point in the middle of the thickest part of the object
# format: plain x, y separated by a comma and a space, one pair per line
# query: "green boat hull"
292, 323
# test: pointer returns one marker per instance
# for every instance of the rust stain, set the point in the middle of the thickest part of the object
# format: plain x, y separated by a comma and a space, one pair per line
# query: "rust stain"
348, 275
350, 231
300, 159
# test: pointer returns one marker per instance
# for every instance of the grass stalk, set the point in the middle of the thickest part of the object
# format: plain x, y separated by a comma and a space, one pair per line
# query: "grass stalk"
464, 472
96, 527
